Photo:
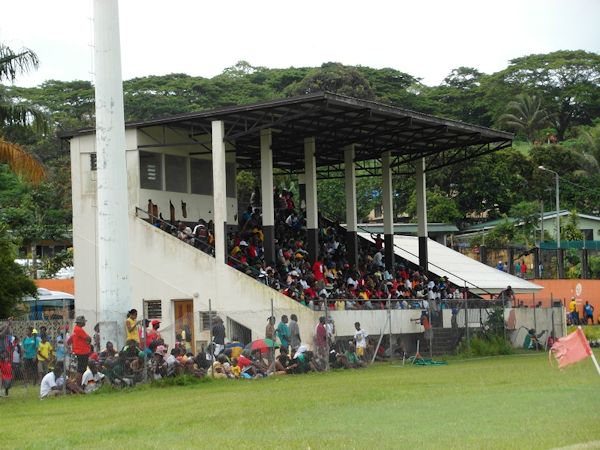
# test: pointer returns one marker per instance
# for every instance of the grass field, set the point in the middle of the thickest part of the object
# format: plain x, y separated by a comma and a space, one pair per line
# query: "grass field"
505, 402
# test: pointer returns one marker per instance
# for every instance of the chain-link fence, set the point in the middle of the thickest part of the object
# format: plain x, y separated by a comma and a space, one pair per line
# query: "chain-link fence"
255, 343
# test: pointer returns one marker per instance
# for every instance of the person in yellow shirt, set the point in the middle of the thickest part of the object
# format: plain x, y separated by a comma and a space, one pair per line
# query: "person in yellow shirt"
131, 327
573, 311
235, 368
45, 355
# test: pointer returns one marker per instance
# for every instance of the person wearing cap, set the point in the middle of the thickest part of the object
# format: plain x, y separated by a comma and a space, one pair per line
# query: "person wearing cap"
153, 334
81, 345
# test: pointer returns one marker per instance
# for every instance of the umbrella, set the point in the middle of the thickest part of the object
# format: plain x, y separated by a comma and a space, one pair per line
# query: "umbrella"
264, 345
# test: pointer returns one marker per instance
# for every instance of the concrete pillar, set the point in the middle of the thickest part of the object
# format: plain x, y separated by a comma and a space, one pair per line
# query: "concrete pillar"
266, 189
560, 256
114, 289
219, 190
585, 274
312, 217
422, 214
351, 219
302, 191
388, 210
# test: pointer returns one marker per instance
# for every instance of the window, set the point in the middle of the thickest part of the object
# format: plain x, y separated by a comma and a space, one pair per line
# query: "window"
93, 162
153, 309
205, 320
201, 175
588, 234
150, 170
175, 173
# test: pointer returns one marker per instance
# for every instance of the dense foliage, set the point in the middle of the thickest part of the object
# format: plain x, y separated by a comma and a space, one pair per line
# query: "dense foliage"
551, 101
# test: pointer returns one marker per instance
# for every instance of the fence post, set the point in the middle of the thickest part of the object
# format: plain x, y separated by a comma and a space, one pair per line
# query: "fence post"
212, 347
272, 365
534, 313
390, 324
64, 343
467, 322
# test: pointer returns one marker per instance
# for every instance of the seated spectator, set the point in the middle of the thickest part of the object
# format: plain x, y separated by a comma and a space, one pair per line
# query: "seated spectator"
52, 382
92, 379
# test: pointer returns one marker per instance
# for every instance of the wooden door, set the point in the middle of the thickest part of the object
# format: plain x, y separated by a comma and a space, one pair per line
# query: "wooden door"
184, 321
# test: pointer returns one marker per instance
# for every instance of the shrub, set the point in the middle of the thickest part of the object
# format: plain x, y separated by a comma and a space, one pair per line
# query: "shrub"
485, 345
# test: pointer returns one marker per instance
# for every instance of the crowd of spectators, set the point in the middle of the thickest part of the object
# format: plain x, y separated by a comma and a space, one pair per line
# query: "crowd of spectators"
332, 281
73, 362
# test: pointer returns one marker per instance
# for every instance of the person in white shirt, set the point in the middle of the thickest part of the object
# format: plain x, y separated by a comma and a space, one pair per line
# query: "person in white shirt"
91, 379
52, 383
360, 339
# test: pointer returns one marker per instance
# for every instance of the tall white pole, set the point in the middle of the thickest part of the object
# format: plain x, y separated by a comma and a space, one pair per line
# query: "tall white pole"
112, 233
557, 211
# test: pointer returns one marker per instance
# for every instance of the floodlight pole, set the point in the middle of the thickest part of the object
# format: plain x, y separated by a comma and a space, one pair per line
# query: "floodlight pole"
114, 290
558, 251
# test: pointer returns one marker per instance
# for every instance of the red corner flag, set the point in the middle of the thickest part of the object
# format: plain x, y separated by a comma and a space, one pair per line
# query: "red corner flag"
572, 348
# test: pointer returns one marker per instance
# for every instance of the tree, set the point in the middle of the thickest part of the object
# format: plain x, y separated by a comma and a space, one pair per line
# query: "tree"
569, 231
525, 114
14, 114
440, 208
15, 283
527, 216
336, 78
568, 83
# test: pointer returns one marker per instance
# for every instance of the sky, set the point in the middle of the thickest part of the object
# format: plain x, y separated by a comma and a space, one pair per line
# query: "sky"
425, 38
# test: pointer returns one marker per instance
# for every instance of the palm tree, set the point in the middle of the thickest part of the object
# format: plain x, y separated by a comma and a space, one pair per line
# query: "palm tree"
525, 114
20, 162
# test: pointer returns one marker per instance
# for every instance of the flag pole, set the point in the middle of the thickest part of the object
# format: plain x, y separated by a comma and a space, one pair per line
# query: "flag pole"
591, 353
595, 362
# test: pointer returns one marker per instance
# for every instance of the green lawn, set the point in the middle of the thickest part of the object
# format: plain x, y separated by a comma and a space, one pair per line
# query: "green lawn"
505, 402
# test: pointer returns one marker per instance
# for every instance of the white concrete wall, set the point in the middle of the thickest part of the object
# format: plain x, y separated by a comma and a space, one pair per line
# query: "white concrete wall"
403, 321
164, 268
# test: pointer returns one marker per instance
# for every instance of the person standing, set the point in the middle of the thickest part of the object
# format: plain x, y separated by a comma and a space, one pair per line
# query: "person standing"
294, 333
573, 311
81, 344
270, 329
588, 313
218, 333
30, 345
131, 330
283, 332
360, 340
321, 339
45, 355
17, 358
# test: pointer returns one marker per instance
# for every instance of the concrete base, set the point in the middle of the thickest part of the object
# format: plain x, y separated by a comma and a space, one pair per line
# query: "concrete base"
389, 251
352, 249
312, 244
423, 256
269, 244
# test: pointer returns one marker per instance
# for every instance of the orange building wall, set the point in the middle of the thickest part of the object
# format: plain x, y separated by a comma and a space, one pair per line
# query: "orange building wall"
564, 290
67, 286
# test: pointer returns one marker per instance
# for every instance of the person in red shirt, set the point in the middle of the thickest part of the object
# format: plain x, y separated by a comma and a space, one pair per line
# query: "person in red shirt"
80, 343
317, 269
321, 338
6, 370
